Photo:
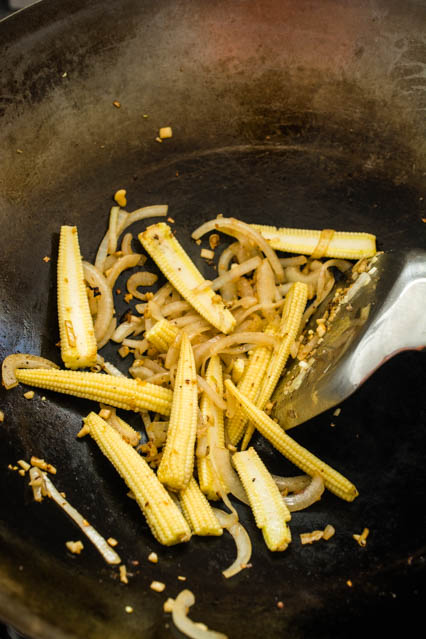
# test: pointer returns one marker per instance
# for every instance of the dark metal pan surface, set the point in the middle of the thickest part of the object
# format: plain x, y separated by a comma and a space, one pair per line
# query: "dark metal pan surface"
289, 113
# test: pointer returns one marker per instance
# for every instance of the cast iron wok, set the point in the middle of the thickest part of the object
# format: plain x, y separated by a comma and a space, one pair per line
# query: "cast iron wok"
294, 113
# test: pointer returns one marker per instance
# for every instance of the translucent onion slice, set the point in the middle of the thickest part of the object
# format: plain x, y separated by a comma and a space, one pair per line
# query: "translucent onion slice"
209, 390
20, 360
307, 497
96, 279
181, 605
242, 542
108, 553
235, 273
292, 484
123, 263
142, 278
239, 229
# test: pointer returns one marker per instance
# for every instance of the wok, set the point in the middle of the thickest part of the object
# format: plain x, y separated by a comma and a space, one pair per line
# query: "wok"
287, 112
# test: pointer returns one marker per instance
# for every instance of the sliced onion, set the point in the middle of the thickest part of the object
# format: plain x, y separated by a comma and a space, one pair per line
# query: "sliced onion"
127, 328
294, 274
245, 289
297, 260
181, 605
126, 244
140, 372
108, 334
159, 378
174, 308
228, 291
235, 273
20, 360
258, 307
123, 263
220, 343
221, 461
265, 288
210, 391
96, 279
292, 484
154, 311
141, 345
103, 246
108, 553
112, 230
243, 230
242, 542
308, 496
142, 278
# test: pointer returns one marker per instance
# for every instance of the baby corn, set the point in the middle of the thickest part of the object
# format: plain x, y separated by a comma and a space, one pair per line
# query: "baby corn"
266, 502
294, 307
78, 342
306, 461
343, 245
213, 419
176, 466
163, 516
122, 392
249, 386
179, 269
162, 335
198, 511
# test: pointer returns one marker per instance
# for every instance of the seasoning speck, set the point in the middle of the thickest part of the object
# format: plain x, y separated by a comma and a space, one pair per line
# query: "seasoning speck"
117, 104
128, 609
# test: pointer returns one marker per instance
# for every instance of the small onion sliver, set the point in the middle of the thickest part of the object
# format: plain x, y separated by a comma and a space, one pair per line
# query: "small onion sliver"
242, 542
232, 227
123, 263
20, 360
210, 391
181, 605
96, 279
308, 496
108, 553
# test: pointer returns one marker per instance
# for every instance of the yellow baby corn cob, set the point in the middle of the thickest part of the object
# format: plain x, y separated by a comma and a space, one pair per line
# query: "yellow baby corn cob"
213, 419
122, 392
266, 502
249, 386
344, 245
176, 265
294, 307
306, 461
162, 335
78, 342
198, 511
163, 516
177, 462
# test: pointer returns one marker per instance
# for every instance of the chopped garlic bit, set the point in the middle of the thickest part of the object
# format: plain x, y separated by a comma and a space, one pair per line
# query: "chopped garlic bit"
46, 259
23, 464
181, 578
117, 104
120, 197
128, 609
123, 574
158, 586
362, 538
165, 132
309, 538
328, 532
40, 463
214, 240
74, 546
153, 557
168, 605
337, 412
1, 416
207, 254
112, 542
29, 394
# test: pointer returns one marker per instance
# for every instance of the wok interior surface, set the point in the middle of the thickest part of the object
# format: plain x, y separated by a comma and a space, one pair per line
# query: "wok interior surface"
283, 113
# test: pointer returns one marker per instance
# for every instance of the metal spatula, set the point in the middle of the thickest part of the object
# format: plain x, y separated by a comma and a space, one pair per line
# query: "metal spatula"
380, 314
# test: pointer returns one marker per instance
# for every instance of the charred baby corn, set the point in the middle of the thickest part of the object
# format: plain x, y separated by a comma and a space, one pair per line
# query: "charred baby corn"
122, 392
177, 462
163, 516
343, 245
297, 454
78, 342
266, 502
159, 241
